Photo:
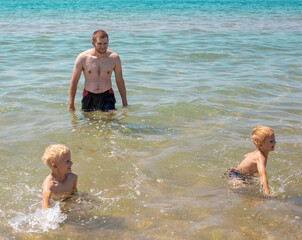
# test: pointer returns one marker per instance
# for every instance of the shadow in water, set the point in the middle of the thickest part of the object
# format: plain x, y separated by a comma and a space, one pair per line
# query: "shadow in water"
85, 213
116, 121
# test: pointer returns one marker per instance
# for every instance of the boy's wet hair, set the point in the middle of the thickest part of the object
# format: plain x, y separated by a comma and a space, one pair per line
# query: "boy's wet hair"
259, 134
54, 153
99, 34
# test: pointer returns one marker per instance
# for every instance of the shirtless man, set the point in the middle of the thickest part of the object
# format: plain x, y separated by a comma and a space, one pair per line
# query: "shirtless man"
97, 64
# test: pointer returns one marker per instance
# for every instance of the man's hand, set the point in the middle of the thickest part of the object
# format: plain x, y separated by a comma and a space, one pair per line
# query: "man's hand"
70, 107
268, 195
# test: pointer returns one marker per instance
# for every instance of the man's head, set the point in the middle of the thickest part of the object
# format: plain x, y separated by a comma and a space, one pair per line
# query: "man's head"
100, 41
264, 137
54, 154
99, 34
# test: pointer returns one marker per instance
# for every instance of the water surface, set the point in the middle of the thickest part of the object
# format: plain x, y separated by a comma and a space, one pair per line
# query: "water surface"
199, 76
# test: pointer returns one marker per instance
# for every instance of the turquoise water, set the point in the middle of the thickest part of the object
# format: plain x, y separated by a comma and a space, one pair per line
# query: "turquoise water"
199, 76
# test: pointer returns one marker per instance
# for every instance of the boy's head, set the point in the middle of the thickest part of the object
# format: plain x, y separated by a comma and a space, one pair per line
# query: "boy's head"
55, 153
260, 134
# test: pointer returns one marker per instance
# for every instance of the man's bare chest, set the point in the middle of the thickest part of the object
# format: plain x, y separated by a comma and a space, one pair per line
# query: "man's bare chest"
98, 66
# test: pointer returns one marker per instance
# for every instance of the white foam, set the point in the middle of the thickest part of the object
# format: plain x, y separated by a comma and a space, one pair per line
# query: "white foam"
39, 221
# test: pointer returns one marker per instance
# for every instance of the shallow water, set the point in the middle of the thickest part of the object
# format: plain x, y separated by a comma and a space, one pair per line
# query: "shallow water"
199, 76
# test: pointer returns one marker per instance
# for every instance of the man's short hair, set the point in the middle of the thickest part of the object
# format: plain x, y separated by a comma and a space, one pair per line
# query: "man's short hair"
99, 34
259, 134
54, 153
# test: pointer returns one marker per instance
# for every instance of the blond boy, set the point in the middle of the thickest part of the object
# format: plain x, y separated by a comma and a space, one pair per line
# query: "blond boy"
255, 162
62, 182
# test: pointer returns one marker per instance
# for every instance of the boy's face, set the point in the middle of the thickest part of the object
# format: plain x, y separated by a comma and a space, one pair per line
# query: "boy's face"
269, 143
65, 163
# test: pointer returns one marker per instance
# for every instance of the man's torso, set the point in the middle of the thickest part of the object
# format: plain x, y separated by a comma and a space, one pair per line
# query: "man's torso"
98, 71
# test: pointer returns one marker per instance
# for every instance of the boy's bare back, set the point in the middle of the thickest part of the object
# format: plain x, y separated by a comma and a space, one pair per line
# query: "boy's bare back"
250, 163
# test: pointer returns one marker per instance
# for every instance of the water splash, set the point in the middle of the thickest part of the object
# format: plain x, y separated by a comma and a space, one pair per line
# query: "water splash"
39, 221
282, 184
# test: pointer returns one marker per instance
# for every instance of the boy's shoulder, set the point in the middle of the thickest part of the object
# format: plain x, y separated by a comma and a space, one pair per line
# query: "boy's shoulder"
255, 158
72, 176
48, 182
255, 155
48, 179
250, 156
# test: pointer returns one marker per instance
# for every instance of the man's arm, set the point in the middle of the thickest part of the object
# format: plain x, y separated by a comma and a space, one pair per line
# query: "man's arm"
262, 175
76, 74
120, 81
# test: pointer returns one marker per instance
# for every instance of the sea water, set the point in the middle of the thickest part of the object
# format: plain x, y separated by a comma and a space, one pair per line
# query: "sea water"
199, 76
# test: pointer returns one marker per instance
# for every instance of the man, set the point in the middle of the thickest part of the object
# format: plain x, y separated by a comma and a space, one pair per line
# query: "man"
97, 65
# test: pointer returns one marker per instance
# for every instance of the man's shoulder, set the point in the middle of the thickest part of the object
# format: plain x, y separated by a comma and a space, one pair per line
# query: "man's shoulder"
112, 54
89, 51
85, 54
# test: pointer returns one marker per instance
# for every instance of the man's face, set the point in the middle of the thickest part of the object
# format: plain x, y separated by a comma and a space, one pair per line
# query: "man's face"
101, 45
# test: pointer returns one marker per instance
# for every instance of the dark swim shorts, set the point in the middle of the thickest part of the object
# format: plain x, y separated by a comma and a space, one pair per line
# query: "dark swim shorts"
233, 174
104, 101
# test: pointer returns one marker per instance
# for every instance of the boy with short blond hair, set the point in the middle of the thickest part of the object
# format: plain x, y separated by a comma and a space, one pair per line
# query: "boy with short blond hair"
255, 162
62, 182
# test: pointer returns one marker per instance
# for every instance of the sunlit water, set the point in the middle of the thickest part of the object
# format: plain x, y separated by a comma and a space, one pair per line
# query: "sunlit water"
199, 76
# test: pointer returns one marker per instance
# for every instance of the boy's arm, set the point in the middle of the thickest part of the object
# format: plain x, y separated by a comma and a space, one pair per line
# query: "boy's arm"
262, 174
75, 182
46, 192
